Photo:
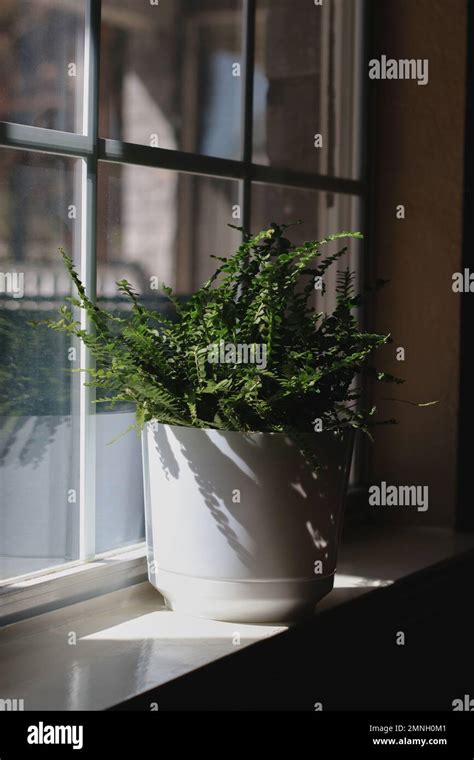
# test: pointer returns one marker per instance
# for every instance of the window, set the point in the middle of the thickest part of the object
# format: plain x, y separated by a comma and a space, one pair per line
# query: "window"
132, 134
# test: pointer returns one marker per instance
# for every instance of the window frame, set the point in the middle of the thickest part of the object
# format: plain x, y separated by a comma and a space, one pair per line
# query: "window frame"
93, 149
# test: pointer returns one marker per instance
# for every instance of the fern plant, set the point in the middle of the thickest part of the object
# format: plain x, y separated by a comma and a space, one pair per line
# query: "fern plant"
259, 296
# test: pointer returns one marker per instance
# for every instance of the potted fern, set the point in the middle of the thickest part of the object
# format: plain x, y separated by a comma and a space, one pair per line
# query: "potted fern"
247, 406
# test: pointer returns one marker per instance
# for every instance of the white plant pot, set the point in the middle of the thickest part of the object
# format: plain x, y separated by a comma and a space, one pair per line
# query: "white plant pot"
238, 526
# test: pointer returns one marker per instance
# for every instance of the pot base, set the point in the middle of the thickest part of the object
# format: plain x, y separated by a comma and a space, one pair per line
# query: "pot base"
242, 601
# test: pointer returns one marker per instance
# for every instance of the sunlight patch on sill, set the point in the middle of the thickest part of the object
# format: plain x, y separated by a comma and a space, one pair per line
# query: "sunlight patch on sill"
164, 624
342, 580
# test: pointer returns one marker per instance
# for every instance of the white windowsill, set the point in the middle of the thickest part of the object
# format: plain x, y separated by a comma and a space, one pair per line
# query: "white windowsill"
97, 653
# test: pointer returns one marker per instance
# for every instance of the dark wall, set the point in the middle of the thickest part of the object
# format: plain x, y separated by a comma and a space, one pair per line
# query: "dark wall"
417, 150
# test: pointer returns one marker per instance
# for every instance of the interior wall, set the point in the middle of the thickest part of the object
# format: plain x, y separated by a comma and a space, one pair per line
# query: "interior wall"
417, 154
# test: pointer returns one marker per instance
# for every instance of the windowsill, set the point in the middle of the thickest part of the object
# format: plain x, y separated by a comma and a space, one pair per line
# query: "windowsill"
127, 643
76, 582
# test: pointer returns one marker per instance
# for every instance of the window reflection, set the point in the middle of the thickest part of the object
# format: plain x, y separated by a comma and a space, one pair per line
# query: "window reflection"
39, 484
41, 63
168, 75
160, 226
307, 95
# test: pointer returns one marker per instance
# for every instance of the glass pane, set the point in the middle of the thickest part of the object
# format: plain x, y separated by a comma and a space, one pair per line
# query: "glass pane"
41, 63
321, 214
170, 74
39, 484
155, 226
307, 85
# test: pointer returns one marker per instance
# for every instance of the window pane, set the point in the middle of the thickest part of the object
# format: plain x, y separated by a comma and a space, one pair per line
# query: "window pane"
39, 485
168, 74
155, 226
41, 63
307, 84
321, 214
